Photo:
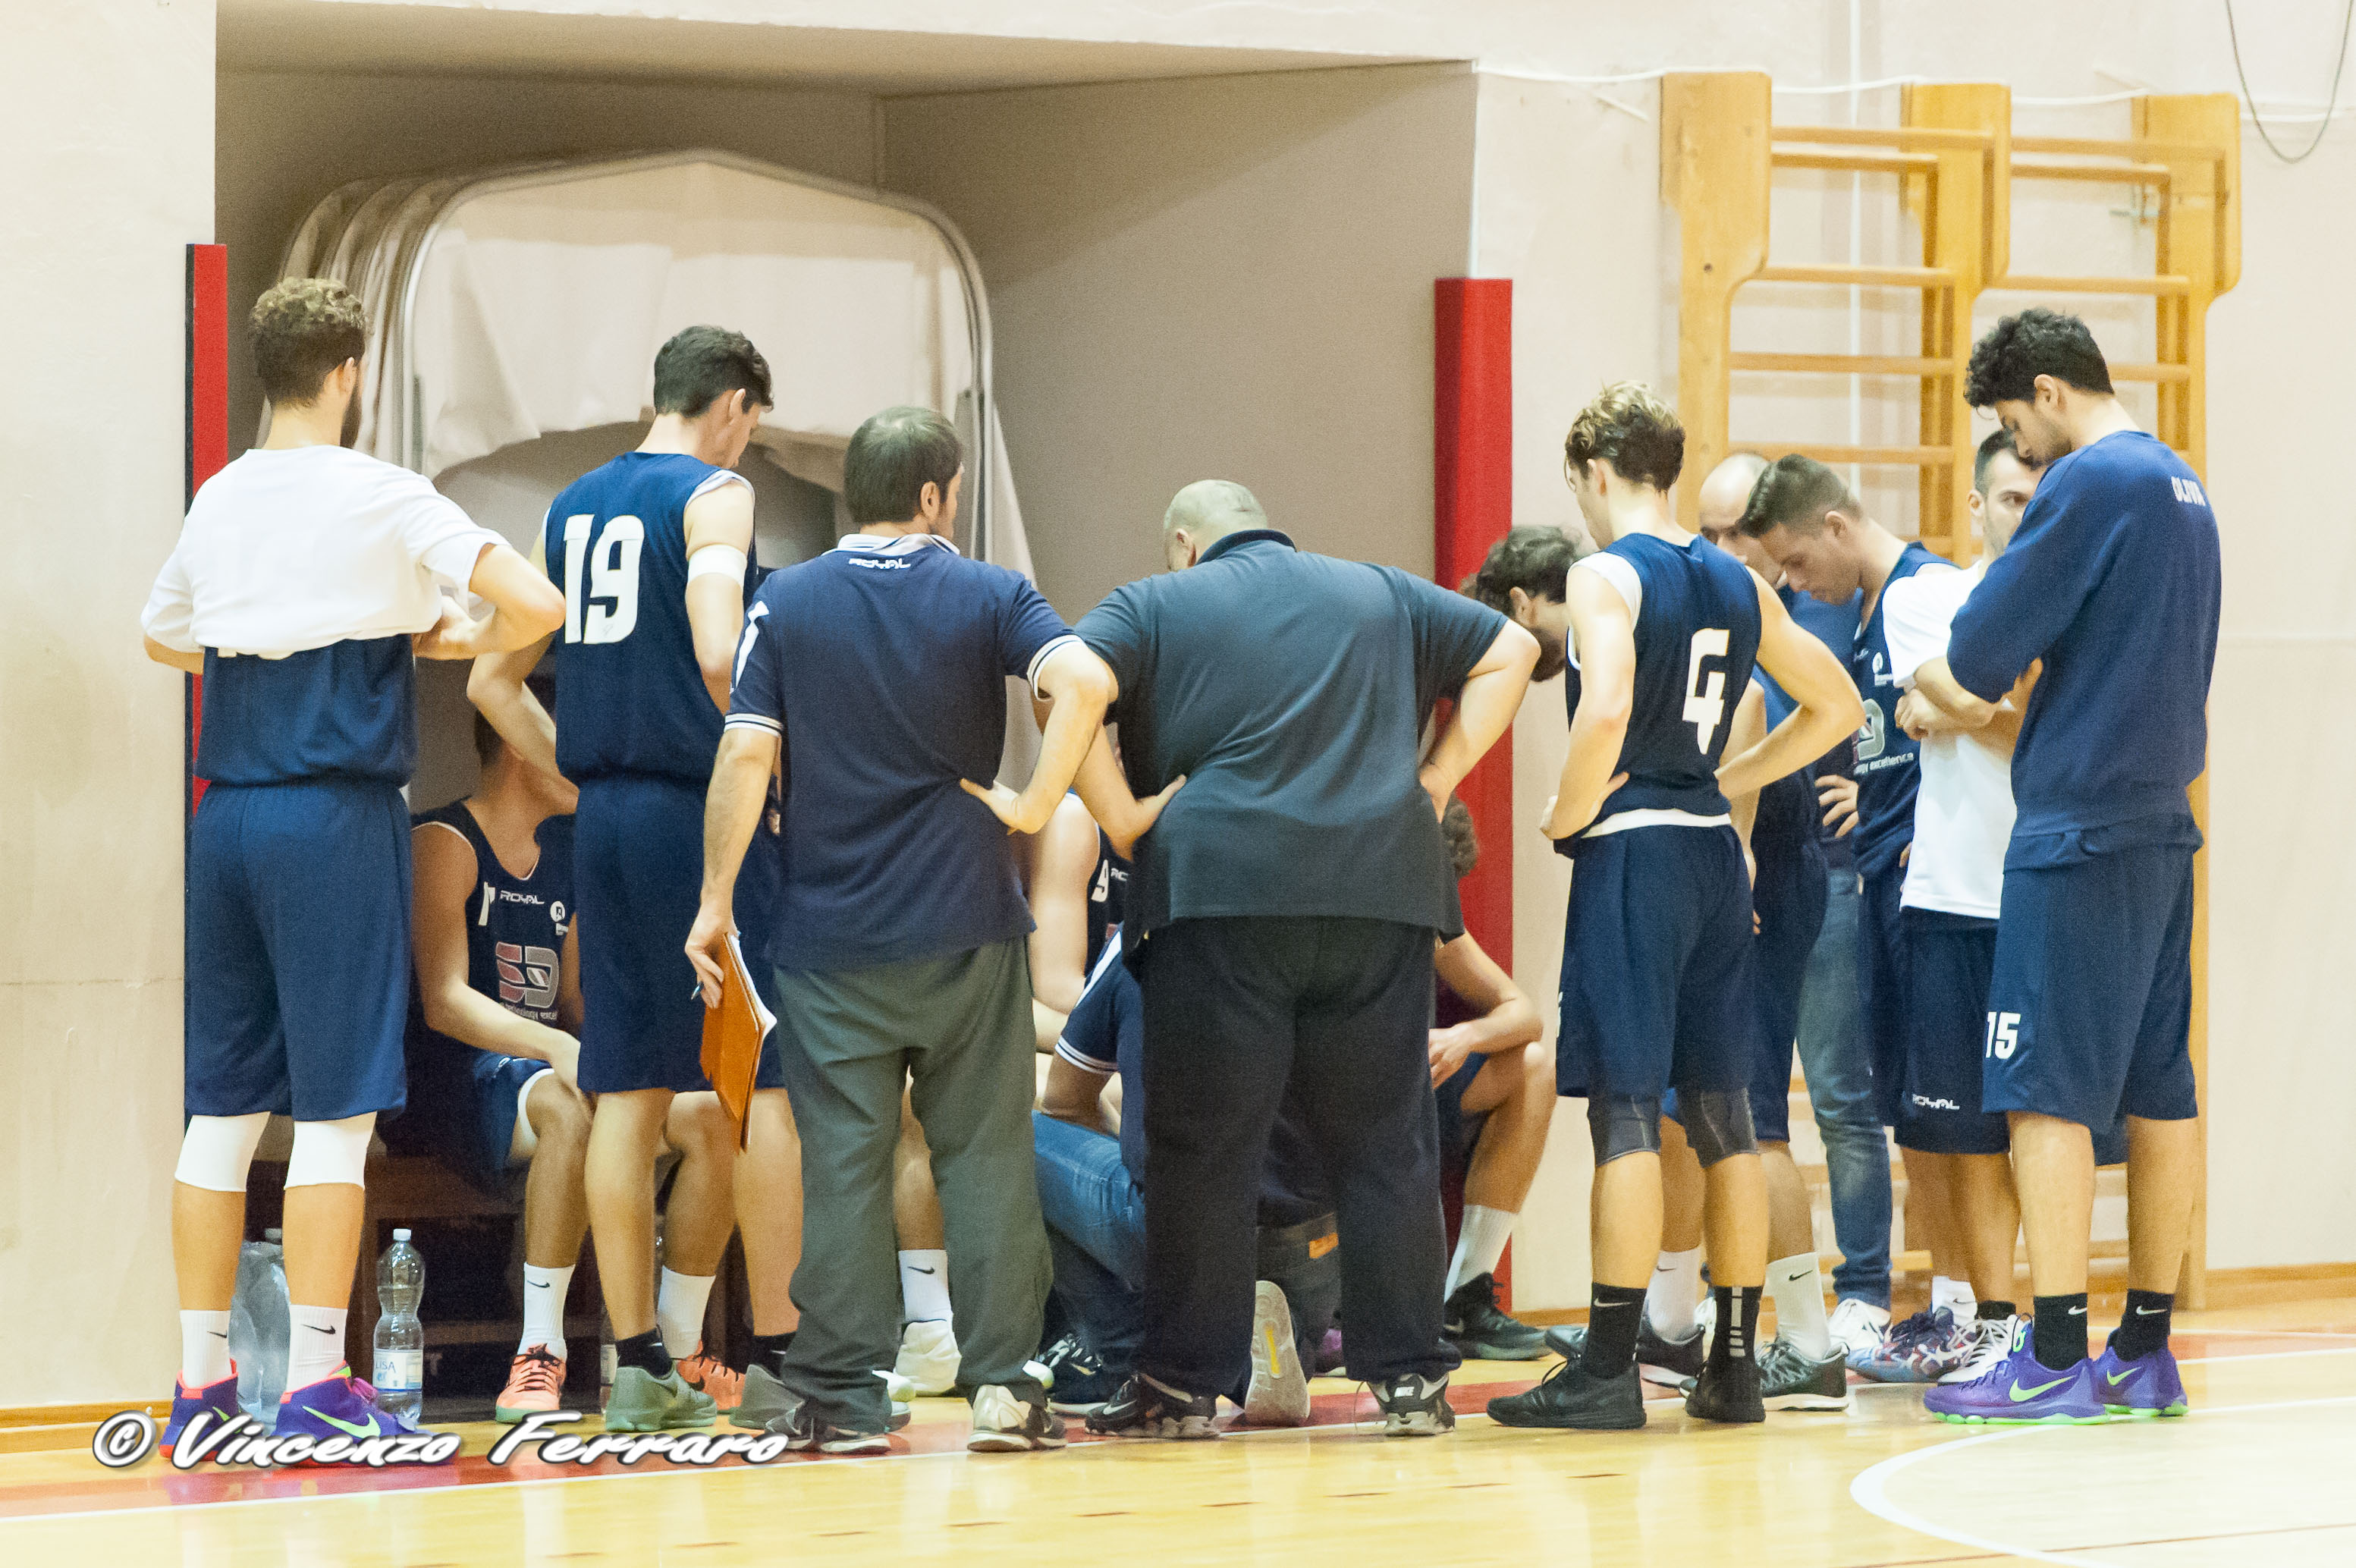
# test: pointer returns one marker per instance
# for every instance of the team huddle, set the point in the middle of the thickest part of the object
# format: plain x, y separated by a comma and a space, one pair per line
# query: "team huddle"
1132, 1088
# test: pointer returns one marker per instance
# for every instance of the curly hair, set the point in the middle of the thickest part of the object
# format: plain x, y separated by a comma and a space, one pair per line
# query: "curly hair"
303, 328
1630, 427
2017, 350
1463, 838
1795, 492
1535, 560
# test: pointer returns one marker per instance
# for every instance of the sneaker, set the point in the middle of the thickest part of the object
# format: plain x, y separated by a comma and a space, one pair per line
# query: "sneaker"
535, 1383
2020, 1391
1790, 1380
1278, 1394
1144, 1408
807, 1432
1922, 1349
928, 1366
713, 1377
640, 1402
1482, 1331
1671, 1363
340, 1406
1081, 1382
1414, 1407
1858, 1327
1728, 1389
1005, 1424
1991, 1343
188, 1403
2141, 1390
765, 1398
1570, 1397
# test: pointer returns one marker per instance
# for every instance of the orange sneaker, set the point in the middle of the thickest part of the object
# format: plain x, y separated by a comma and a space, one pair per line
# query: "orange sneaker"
714, 1378
535, 1383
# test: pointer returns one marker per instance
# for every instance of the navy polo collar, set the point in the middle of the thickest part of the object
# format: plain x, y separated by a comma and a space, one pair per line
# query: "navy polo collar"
1238, 540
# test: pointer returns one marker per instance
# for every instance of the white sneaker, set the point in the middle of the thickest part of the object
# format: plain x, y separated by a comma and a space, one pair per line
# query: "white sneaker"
1991, 1343
1858, 1327
1278, 1394
929, 1361
1706, 1317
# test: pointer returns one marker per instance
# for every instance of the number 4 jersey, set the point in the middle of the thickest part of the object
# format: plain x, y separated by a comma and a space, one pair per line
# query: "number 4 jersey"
1696, 611
630, 697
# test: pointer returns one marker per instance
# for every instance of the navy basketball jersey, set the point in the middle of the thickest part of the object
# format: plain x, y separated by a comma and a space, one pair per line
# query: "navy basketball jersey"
630, 697
1696, 626
1107, 897
1888, 770
515, 925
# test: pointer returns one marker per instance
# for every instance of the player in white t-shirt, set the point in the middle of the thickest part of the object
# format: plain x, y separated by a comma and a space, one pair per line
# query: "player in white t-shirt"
1954, 882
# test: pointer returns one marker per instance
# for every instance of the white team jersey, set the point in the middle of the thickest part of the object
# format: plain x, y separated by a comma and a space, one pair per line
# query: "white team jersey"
1962, 815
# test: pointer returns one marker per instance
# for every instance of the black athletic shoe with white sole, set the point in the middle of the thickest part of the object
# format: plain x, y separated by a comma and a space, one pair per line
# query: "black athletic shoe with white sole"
1415, 1407
1144, 1408
806, 1432
1788, 1379
1082, 1384
1483, 1331
1728, 1391
1668, 1362
1570, 1398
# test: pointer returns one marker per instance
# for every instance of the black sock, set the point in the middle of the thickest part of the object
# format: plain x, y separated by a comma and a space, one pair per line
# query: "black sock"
1991, 1310
1613, 1314
2060, 1334
769, 1350
2143, 1327
1737, 1339
644, 1352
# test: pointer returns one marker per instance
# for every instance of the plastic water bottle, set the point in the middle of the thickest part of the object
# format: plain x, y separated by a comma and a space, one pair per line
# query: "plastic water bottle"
400, 1337
605, 1358
258, 1321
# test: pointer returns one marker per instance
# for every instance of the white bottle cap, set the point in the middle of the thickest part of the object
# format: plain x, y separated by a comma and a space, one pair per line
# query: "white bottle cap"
401, 1235
273, 1235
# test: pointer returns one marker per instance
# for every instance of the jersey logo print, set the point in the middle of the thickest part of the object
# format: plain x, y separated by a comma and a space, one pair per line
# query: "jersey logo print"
527, 976
2188, 491
1706, 692
612, 574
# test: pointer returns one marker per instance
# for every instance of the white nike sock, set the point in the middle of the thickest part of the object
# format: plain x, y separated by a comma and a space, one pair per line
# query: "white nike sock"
924, 1285
678, 1312
1799, 1293
204, 1349
314, 1347
1480, 1242
1673, 1293
543, 1307
1956, 1295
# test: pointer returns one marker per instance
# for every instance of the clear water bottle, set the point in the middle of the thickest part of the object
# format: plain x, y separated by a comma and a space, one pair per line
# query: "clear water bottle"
605, 1358
400, 1337
257, 1329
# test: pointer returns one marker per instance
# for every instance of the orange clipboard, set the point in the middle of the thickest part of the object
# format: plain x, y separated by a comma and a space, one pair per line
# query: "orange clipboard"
733, 1033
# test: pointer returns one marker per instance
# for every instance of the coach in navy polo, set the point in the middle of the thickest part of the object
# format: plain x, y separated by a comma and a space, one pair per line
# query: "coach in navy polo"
1283, 911
881, 669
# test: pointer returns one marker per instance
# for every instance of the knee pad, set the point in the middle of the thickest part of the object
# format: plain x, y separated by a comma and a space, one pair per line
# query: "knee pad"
1718, 1124
1625, 1124
217, 1151
331, 1154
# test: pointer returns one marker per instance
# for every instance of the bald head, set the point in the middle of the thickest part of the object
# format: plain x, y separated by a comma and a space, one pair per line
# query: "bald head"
1723, 499
1203, 514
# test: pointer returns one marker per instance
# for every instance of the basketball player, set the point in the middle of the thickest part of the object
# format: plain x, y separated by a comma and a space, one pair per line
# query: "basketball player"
652, 552
1807, 517
1657, 987
2111, 583
302, 578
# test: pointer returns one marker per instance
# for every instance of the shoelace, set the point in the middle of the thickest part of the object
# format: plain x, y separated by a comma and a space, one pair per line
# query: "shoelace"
1992, 1344
540, 1372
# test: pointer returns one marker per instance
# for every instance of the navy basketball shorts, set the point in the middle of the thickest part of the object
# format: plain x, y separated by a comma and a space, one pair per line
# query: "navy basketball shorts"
1950, 960
637, 870
1881, 975
1657, 965
2090, 1012
297, 988
1460, 1129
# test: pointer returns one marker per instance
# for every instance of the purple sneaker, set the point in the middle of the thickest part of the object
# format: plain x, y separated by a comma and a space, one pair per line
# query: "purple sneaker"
2140, 1389
1922, 1349
2020, 1391
219, 1398
344, 1406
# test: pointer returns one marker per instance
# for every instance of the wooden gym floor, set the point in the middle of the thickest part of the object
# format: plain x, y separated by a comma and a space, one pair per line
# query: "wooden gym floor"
2260, 1474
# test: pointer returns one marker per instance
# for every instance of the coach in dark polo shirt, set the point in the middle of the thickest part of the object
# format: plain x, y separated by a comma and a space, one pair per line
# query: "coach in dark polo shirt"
899, 931
1282, 912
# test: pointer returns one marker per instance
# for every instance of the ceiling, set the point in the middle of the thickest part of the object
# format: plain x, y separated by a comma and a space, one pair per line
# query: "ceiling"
314, 36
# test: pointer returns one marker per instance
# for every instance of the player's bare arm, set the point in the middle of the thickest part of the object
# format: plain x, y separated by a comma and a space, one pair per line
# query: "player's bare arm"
1072, 1093
1508, 1018
1077, 687
1828, 706
1604, 633
1067, 860
177, 657
740, 787
1939, 705
524, 607
1106, 793
1491, 696
443, 870
720, 520
496, 686
1749, 728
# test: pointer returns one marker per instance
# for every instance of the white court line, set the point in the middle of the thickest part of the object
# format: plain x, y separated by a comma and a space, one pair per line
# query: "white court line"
1870, 1491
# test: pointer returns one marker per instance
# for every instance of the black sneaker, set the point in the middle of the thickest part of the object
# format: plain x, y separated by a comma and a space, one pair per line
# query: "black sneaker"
1728, 1391
1790, 1380
1480, 1330
1081, 1384
1144, 1408
1570, 1397
1668, 1362
805, 1431
1415, 1407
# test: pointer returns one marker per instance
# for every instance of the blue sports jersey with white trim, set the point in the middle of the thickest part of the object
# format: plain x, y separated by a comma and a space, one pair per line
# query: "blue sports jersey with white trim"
1697, 640
345, 710
630, 697
1889, 768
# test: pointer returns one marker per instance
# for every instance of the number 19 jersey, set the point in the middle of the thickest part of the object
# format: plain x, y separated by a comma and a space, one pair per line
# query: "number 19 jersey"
630, 697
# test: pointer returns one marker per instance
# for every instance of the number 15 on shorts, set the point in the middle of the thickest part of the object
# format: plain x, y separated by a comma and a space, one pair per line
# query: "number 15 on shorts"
2003, 1034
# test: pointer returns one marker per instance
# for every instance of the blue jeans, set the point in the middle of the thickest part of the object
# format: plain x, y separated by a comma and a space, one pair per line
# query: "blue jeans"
1835, 1055
1095, 1233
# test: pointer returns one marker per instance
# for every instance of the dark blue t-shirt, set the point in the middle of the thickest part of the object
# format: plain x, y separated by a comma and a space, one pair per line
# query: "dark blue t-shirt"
1889, 768
345, 710
2112, 579
883, 664
1835, 626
